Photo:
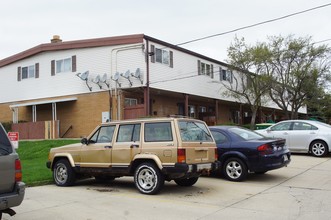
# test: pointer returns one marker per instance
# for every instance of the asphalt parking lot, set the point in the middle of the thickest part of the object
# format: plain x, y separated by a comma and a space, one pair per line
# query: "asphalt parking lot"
300, 191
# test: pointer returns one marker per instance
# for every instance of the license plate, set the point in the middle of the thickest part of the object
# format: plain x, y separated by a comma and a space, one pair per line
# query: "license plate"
204, 166
285, 158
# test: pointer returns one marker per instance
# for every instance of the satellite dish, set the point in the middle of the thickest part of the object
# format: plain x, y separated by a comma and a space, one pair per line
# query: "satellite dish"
84, 75
127, 74
137, 73
116, 76
104, 78
97, 79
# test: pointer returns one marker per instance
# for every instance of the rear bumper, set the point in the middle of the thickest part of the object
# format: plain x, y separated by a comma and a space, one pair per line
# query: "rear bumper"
13, 198
189, 170
272, 162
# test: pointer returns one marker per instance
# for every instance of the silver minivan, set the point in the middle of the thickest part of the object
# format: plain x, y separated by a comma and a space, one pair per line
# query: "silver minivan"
12, 188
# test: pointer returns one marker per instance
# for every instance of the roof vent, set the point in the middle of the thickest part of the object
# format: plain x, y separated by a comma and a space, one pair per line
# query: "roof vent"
56, 39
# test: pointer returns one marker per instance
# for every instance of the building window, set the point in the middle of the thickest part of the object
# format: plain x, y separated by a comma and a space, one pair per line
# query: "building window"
205, 69
202, 109
191, 111
162, 56
226, 75
28, 72
130, 102
63, 65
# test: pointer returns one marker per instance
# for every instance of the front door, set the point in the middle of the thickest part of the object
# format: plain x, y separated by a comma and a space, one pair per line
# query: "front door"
98, 151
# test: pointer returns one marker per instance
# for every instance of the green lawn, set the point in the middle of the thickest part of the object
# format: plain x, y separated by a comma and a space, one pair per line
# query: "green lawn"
34, 155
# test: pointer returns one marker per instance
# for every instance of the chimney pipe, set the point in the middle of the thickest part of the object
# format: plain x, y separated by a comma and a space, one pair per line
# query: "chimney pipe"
56, 39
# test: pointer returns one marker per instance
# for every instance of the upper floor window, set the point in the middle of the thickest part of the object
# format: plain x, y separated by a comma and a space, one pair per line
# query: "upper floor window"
226, 75
161, 56
205, 69
63, 65
28, 72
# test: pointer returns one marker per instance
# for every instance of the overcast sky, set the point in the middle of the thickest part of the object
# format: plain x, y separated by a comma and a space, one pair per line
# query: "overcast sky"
26, 24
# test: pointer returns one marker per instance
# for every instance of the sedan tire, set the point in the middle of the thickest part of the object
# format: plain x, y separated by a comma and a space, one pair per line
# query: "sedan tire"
148, 178
319, 148
234, 169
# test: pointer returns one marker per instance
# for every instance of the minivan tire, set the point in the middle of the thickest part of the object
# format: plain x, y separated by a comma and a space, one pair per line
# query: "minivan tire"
148, 178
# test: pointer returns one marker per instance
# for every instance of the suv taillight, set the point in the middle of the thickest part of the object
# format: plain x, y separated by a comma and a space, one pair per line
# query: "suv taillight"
265, 149
18, 170
216, 154
181, 156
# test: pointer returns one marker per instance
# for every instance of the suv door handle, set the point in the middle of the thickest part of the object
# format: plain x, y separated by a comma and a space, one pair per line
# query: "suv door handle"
108, 147
134, 145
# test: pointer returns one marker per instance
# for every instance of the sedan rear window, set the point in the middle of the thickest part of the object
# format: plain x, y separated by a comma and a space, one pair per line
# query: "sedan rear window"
246, 134
5, 145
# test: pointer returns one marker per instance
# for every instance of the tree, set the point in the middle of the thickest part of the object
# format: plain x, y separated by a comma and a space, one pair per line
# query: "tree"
248, 87
298, 69
289, 69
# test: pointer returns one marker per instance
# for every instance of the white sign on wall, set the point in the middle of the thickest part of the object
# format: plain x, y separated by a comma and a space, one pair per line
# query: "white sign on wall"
105, 117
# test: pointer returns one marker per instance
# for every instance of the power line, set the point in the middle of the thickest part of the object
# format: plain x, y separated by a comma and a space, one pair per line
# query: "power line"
254, 25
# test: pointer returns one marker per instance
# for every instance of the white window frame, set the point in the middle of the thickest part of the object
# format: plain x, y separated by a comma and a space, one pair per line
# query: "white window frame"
162, 56
63, 65
228, 75
31, 72
205, 69
130, 102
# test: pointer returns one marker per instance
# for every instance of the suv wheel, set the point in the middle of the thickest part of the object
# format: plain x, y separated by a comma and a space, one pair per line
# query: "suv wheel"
235, 169
63, 173
187, 182
148, 178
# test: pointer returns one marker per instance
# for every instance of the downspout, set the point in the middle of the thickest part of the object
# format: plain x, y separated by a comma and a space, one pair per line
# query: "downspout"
147, 107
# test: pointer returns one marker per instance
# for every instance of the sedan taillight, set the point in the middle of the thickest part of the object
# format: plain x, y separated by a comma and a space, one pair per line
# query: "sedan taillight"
265, 149
18, 170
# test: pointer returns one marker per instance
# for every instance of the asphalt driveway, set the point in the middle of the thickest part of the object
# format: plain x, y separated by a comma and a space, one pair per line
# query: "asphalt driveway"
300, 191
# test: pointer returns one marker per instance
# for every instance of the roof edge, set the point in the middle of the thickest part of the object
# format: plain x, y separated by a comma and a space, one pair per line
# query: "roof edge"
76, 44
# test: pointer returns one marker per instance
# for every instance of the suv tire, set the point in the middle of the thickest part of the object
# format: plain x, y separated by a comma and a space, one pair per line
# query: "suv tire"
148, 178
63, 173
187, 181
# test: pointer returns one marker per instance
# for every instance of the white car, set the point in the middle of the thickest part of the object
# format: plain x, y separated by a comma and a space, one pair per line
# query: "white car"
302, 136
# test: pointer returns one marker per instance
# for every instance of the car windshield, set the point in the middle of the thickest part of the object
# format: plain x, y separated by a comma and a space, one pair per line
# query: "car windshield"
245, 134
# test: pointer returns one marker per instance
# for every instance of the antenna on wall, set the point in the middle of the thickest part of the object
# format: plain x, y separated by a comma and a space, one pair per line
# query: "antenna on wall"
116, 78
84, 77
137, 75
126, 75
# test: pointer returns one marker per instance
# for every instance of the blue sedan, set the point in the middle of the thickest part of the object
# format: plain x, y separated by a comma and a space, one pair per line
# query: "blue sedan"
241, 151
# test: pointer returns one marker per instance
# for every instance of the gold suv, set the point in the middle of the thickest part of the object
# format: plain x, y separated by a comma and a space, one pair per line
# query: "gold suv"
151, 150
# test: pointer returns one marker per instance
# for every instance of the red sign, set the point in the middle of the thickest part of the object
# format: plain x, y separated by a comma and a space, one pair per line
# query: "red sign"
13, 137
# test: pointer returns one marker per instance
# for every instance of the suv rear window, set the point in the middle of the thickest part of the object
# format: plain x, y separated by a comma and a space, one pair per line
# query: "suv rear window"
194, 131
5, 145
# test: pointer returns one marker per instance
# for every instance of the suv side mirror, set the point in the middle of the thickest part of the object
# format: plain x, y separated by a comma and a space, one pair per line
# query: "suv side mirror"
84, 141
